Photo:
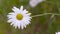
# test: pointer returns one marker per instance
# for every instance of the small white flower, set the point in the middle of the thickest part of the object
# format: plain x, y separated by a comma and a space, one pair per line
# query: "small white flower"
34, 3
19, 18
57, 32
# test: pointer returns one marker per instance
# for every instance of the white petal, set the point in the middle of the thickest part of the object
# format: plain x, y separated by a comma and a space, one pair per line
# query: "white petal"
15, 9
11, 13
10, 20
21, 8
25, 11
19, 25
22, 26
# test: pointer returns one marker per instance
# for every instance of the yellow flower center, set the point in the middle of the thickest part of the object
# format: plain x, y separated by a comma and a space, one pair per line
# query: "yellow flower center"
19, 16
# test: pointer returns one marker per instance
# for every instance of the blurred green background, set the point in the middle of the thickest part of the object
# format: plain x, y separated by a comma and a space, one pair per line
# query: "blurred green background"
39, 25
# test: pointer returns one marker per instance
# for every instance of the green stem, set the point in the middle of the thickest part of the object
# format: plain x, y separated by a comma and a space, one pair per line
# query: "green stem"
44, 14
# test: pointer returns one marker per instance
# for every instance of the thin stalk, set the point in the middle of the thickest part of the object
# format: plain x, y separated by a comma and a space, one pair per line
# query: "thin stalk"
45, 14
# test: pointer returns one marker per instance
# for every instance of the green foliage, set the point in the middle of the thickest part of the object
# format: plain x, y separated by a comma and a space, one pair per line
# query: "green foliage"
46, 24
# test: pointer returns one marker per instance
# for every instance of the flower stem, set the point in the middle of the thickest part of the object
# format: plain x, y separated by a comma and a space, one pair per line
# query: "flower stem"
44, 14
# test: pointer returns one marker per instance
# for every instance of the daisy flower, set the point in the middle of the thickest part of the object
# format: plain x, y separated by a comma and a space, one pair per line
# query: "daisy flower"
57, 32
19, 18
